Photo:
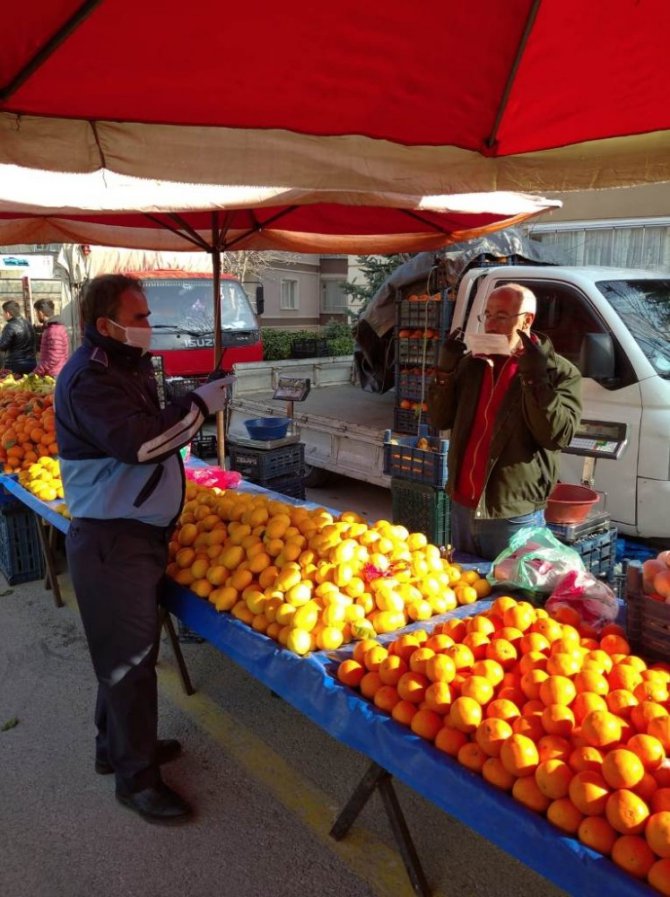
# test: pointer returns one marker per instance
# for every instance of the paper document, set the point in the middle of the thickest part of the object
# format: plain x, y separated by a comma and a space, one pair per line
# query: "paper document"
487, 343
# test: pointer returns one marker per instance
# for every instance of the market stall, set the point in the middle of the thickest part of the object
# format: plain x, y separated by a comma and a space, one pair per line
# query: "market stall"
310, 684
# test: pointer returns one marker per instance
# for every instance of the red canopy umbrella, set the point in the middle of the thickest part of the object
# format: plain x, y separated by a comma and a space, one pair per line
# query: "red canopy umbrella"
444, 97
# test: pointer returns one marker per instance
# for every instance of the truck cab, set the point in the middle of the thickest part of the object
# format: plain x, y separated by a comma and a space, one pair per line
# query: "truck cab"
614, 325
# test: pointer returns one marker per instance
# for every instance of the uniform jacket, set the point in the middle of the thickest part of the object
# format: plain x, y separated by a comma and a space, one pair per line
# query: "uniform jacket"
119, 451
54, 348
17, 341
533, 424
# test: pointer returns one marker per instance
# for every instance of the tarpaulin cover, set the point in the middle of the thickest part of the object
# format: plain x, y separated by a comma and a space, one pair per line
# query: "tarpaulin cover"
448, 96
309, 684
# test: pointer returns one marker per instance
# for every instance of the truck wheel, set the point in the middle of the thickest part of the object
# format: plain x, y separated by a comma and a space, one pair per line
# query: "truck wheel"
316, 476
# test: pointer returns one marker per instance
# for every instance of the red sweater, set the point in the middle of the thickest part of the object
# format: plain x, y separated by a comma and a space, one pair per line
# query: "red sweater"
54, 349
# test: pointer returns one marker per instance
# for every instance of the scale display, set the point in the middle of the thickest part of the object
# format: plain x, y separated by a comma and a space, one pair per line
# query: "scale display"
292, 389
599, 439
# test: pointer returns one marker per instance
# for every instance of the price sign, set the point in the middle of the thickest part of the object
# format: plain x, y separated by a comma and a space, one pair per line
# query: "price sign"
292, 389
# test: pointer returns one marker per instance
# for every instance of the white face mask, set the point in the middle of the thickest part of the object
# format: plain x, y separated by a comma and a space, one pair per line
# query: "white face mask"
139, 337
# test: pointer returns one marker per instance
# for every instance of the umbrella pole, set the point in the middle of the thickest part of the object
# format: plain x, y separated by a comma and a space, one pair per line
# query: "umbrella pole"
216, 269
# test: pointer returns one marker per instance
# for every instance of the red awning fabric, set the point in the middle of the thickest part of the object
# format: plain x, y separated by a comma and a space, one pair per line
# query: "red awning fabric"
441, 97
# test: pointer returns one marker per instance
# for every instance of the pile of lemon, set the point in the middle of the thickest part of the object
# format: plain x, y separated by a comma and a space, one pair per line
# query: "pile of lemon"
43, 479
308, 579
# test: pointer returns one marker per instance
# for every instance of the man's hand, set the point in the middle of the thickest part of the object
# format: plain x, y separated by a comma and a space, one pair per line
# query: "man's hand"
451, 352
214, 394
533, 359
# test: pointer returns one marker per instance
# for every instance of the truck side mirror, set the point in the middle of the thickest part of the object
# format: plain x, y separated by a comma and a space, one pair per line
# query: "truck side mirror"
596, 357
260, 300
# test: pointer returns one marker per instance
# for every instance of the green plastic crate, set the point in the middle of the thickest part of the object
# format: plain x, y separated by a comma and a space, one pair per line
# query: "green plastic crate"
422, 509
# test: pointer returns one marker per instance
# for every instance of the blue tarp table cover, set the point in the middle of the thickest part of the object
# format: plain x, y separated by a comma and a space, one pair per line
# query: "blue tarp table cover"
309, 684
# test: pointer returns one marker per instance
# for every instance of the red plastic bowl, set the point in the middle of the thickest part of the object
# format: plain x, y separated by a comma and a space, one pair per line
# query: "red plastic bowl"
569, 503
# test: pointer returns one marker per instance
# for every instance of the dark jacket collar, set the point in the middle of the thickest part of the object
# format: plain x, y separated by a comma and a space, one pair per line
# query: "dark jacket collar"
112, 347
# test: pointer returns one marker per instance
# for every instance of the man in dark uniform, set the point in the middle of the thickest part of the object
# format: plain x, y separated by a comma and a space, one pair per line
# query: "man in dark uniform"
124, 483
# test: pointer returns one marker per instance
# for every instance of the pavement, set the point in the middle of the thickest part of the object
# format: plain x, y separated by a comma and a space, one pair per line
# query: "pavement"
266, 782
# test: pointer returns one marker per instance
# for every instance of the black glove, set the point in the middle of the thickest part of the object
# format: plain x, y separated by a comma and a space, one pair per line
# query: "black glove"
532, 361
451, 352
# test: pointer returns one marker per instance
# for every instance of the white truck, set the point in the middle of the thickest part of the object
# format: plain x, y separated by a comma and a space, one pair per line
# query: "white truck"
614, 324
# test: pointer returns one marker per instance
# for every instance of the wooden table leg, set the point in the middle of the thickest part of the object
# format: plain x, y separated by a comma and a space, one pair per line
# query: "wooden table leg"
51, 578
166, 622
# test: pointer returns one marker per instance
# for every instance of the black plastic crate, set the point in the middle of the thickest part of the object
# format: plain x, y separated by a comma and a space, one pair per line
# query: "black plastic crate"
417, 351
413, 386
21, 558
309, 348
260, 465
176, 387
408, 422
598, 552
422, 509
203, 445
292, 487
405, 460
421, 315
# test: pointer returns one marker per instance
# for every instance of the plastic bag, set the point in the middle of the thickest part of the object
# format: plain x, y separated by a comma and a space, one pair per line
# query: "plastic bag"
535, 561
595, 602
214, 477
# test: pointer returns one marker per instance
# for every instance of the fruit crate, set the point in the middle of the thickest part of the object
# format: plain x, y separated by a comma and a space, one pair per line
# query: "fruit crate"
419, 315
176, 387
422, 509
647, 620
293, 487
413, 386
310, 348
404, 460
410, 423
203, 445
598, 552
21, 558
260, 465
417, 351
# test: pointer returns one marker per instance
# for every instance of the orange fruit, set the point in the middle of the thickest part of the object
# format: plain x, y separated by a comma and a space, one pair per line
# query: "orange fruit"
626, 812
440, 668
530, 683
566, 614
426, 723
438, 697
584, 703
553, 778
597, 833
554, 747
642, 714
659, 877
592, 681
374, 657
496, 774
646, 788
391, 669
589, 792
620, 702
386, 697
659, 727
461, 655
657, 833
501, 708
403, 712
478, 688
530, 726
465, 714
450, 740
525, 790
349, 672
533, 642
369, 685
662, 774
660, 800
632, 854
489, 669
519, 755
362, 646
557, 690
564, 815
412, 687
520, 616
558, 719
471, 756
586, 758
563, 664
503, 652
651, 690
622, 675
614, 644
476, 642
419, 658
491, 734
622, 769
600, 728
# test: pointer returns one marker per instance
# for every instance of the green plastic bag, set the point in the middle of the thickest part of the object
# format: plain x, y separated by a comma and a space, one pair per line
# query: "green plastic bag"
534, 561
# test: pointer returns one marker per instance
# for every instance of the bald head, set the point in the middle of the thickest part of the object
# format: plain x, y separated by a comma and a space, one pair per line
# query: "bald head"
510, 308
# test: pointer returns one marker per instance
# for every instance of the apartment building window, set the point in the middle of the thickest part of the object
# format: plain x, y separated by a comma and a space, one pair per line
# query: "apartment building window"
333, 297
289, 295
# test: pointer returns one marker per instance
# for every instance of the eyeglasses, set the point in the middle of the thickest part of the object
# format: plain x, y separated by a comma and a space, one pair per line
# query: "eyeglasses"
498, 316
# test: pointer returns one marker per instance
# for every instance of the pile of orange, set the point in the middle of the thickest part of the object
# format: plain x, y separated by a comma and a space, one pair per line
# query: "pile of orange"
305, 578
570, 722
27, 429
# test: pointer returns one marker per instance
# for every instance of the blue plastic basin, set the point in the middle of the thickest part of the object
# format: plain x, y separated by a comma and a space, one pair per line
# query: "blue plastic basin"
267, 428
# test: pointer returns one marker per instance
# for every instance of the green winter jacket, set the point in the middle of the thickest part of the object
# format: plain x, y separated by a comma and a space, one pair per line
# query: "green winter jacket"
533, 424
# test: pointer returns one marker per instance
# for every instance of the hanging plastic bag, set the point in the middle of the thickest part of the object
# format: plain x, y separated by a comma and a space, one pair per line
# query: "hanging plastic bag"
593, 600
214, 477
534, 561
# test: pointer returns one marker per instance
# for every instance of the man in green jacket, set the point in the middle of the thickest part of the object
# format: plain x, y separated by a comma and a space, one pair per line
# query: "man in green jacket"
510, 415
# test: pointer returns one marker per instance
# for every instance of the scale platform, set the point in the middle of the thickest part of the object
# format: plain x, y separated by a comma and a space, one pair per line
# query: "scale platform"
264, 444
572, 532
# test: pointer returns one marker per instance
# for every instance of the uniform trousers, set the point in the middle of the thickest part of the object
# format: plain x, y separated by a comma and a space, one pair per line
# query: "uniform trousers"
117, 569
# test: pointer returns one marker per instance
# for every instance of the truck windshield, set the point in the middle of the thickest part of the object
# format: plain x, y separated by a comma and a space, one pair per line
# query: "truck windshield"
644, 307
185, 305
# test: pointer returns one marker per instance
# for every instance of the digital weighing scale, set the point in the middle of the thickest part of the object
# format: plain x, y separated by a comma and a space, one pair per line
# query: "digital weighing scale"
594, 439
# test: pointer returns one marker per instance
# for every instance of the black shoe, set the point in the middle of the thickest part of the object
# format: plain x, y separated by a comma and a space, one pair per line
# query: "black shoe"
167, 749
160, 804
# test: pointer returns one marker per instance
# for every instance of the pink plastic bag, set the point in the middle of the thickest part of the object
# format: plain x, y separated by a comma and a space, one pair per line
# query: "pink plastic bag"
214, 477
595, 602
